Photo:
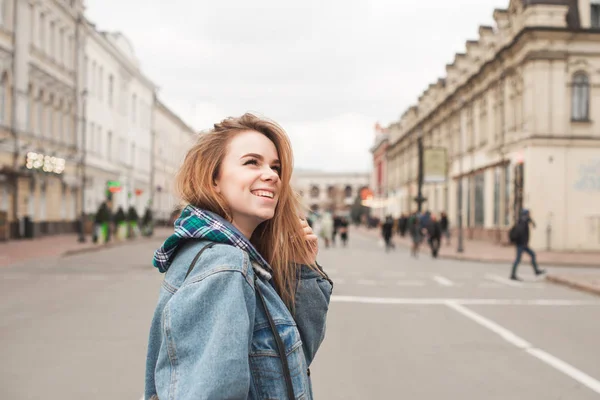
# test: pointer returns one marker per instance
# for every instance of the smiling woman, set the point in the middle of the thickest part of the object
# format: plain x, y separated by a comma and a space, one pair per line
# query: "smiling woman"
221, 328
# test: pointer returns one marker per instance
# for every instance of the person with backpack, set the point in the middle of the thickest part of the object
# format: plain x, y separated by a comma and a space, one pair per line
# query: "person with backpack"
519, 236
434, 233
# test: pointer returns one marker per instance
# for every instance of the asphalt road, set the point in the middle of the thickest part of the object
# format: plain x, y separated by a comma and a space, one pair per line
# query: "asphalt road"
398, 328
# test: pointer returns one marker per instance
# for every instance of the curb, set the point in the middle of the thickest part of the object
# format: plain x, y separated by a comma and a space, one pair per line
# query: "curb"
488, 260
574, 284
100, 247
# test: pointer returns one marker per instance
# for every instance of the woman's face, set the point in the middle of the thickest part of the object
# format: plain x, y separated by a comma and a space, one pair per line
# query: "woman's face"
249, 180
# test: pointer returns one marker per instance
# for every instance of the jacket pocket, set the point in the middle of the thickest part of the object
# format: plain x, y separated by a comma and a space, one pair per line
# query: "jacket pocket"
267, 369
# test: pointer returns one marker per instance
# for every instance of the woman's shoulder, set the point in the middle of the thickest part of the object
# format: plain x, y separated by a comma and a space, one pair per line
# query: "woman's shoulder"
213, 257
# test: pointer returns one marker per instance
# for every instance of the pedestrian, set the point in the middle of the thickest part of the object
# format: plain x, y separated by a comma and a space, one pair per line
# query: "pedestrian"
344, 231
519, 236
336, 226
434, 235
402, 225
387, 228
445, 225
414, 227
238, 264
326, 231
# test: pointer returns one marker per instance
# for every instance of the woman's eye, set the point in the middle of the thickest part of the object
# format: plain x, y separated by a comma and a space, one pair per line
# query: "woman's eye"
251, 162
277, 169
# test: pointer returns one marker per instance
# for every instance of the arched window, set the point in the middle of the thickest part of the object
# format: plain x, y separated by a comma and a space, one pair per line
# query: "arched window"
580, 100
348, 191
314, 191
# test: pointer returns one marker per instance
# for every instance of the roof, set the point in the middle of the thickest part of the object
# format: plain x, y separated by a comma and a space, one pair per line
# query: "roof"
573, 20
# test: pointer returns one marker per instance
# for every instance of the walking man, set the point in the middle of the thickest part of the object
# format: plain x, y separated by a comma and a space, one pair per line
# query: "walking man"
434, 231
386, 232
519, 235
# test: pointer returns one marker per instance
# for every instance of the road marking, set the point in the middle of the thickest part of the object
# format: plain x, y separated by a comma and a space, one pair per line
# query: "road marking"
443, 301
443, 281
394, 274
541, 355
504, 281
410, 283
366, 282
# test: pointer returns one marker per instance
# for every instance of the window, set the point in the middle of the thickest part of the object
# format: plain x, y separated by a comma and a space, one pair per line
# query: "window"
133, 107
348, 191
51, 38
507, 195
469, 183
479, 199
109, 145
93, 80
100, 82
61, 47
497, 180
99, 146
595, 14
40, 115
61, 126
580, 101
2, 99
314, 192
110, 90
2, 12
42, 31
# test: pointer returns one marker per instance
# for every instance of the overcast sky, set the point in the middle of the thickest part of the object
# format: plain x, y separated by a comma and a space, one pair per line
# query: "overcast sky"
326, 70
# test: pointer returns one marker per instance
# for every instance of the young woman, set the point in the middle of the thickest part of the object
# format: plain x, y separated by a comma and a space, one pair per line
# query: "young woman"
242, 308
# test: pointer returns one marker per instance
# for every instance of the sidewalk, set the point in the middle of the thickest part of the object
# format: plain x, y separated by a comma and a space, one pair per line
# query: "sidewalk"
480, 251
60, 245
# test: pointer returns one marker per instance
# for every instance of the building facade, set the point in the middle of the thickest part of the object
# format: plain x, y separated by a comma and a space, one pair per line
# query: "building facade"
329, 191
172, 140
116, 123
39, 157
379, 204
519, 116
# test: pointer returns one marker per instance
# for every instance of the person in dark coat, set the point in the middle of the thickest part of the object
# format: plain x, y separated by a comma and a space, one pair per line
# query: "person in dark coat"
386, 231
402, 225
445, 225
521, 242
414, 228
343, 230
434, 233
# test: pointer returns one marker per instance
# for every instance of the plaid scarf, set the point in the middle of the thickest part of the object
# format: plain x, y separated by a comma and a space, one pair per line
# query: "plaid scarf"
195, 223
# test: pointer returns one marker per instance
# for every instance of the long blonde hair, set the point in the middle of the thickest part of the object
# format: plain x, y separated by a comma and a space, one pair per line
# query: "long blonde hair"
279, 240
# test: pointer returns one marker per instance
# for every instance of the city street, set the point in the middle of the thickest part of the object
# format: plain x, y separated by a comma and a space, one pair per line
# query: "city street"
398, 328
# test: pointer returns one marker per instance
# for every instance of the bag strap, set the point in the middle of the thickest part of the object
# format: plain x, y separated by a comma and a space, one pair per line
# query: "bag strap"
208, 246
280, 347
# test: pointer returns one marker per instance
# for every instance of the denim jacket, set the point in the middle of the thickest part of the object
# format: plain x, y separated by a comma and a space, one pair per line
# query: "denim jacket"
210, 337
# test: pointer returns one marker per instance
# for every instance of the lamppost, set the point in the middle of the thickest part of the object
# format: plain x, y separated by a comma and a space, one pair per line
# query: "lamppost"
84, 94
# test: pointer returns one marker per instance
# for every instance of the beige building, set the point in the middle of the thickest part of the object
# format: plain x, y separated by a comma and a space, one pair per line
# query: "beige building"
519, 116
172, 140
39, 158
329, 191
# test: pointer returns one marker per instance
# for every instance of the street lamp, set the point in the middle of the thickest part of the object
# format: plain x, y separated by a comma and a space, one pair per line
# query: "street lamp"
84, 94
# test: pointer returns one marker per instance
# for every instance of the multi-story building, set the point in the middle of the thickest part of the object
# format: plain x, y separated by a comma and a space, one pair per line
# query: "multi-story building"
172, 139
116, 123
39, 159
329, 191
519, 116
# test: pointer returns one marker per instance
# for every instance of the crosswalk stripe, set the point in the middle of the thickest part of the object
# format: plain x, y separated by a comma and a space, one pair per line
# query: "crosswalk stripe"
442, 281
504, 281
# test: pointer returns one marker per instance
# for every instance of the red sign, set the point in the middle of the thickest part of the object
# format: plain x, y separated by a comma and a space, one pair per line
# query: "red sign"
138, 192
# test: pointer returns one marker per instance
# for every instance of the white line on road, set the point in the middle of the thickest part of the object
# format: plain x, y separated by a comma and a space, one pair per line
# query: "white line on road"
443, 301
510, 337
443, 281
504, 281
410, 283
366, 282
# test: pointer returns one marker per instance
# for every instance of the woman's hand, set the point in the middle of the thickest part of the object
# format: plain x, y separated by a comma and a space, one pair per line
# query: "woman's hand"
311, 238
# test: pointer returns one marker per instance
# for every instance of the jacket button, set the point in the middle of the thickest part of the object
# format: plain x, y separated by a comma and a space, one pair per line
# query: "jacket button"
308, 371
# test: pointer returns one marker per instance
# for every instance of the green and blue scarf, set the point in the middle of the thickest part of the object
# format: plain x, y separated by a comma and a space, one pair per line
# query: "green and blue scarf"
199, 224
